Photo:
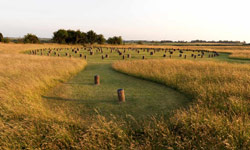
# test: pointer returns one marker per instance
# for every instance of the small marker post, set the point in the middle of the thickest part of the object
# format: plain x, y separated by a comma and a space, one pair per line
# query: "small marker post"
97, 79
121, 95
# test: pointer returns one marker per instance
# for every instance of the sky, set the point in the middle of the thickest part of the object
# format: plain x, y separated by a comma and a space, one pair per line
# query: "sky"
132, 19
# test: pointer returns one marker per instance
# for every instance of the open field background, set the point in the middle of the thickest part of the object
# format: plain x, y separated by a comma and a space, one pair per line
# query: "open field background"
76, 114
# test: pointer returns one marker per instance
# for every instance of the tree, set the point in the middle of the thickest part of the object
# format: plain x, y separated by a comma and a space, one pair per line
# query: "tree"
71, 38
91, 37
100, 39
115, 40
1, 37
78, 36
31, 38
60, 36
83, 38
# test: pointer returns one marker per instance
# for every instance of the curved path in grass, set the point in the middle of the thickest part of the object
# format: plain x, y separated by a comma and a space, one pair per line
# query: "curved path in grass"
143, 98
226, 57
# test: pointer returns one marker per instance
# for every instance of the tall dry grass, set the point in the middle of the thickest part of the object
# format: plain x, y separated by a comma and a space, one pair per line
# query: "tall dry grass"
12, 48
242, 55
219, 115
25, 121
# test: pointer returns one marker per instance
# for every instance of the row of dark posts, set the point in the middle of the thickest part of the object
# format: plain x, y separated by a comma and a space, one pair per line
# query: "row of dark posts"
121, 51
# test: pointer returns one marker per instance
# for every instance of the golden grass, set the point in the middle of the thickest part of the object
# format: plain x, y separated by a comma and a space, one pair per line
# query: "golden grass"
219, 115
25, 121
243, 54
12, 48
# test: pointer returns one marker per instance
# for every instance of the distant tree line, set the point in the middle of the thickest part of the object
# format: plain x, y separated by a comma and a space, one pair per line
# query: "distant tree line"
220, 41
77, 37
193, 41
29, 38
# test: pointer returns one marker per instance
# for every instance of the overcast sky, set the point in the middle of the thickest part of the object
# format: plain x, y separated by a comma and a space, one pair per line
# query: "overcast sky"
131, 19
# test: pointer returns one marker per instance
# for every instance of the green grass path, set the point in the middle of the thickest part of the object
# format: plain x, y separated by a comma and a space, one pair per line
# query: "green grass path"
143, 98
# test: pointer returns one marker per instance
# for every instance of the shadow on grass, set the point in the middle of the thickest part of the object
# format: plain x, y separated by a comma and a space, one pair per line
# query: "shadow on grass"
81, 101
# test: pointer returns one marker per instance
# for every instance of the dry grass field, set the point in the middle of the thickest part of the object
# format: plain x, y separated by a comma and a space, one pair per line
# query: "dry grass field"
217, 118
219, 115
24, 117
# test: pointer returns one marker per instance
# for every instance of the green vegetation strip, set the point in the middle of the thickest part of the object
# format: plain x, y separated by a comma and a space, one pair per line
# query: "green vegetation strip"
143, 98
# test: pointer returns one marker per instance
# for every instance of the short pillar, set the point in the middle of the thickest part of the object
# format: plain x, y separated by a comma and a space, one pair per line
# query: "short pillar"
121, 95
97, 80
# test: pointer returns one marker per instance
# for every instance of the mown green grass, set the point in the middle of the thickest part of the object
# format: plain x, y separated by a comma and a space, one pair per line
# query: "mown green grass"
143, 98
134, 53
226, 57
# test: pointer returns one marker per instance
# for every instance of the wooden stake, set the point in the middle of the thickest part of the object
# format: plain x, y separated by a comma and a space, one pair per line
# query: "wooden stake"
121, 95
97, 80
